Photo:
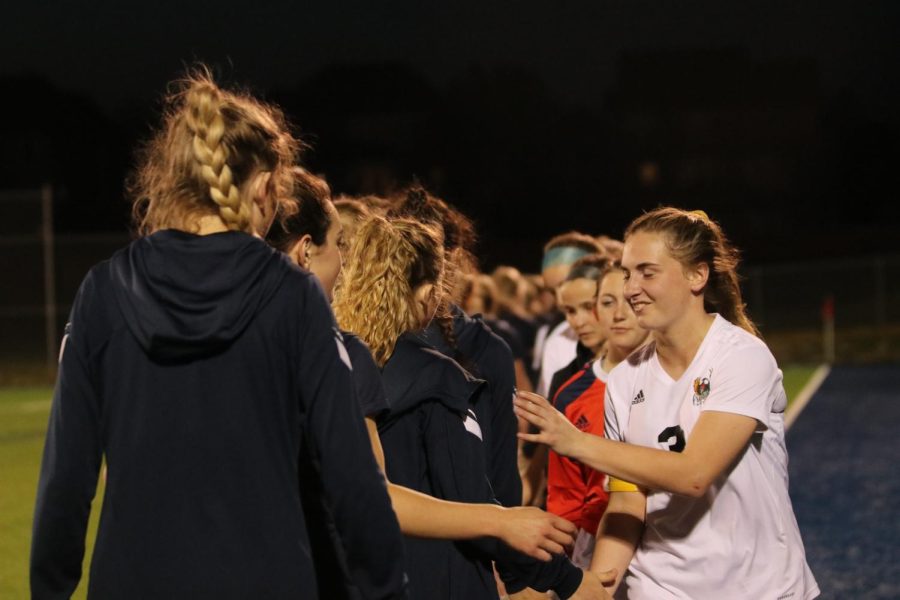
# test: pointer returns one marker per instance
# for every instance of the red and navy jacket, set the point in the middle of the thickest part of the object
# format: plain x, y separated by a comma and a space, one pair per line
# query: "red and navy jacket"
576, 491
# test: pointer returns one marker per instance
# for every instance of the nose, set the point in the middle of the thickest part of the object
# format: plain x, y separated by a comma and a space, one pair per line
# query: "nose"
631, 289
578, 319
618, 314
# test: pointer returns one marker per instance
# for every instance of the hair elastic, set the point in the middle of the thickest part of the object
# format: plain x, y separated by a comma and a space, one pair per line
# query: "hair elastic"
562, 255
585, 272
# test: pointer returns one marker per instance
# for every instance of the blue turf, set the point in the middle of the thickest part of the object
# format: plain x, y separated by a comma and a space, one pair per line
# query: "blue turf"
845, 482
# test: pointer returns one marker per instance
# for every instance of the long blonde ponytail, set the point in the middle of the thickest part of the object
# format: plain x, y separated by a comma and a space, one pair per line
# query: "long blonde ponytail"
388, 261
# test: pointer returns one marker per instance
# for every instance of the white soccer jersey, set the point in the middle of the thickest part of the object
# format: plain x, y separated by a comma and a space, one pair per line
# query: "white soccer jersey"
558, 350
740, 540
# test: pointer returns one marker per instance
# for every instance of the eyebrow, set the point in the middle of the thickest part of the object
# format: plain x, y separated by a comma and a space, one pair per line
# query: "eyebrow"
645, 265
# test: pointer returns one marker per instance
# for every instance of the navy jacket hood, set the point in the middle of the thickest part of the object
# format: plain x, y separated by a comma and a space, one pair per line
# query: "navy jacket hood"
472, 337
417, 372
185, 296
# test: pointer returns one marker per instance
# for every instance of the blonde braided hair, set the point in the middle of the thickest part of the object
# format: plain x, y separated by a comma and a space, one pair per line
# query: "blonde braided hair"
204, 119
202, 160
388, 261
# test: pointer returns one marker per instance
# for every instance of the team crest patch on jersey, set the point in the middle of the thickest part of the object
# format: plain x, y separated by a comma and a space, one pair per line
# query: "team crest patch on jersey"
702, 387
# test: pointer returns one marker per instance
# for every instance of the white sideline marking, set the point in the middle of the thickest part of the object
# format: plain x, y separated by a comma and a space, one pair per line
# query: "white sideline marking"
806, 394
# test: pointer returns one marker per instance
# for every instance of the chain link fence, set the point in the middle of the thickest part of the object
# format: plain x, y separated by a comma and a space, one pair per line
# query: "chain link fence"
791, 303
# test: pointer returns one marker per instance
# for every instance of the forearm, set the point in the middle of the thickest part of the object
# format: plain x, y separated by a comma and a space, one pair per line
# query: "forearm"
649, 468
689, 467
424, 516
534, 478
618, 534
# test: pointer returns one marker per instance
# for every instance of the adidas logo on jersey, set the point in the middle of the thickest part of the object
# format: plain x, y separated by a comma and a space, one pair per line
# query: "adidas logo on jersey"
582, 423
639, 398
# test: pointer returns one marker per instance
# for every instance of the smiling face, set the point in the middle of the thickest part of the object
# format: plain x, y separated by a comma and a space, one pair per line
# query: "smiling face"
616, 317
659, 288
577, 299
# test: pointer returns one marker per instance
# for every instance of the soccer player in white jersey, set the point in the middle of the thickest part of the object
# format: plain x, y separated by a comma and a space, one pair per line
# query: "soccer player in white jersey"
706, 513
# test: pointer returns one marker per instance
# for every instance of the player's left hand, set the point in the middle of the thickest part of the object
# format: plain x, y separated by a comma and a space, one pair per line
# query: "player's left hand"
555, 429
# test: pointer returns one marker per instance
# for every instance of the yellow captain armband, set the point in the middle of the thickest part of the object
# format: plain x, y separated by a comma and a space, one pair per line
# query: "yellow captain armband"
618, 485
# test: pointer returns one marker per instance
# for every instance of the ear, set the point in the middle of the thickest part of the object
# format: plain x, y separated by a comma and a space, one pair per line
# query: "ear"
697, 277
424, 293
423, 297
261, 194
263, 201
300, 251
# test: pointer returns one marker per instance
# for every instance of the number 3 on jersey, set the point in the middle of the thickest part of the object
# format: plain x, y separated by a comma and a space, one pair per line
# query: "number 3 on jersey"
673, 437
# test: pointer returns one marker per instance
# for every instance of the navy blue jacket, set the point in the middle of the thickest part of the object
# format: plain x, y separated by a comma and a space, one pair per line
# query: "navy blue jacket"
204, 368
433, 443
488, 357
329, 557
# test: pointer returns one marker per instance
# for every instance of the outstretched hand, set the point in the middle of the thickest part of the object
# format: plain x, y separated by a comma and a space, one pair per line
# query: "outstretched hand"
555, 429
535, 532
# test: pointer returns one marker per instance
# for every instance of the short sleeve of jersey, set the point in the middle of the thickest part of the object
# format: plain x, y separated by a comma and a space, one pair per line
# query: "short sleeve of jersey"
746, 382
615, 414
366, 377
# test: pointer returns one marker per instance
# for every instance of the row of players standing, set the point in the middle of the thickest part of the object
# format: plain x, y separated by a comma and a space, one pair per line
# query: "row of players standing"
174, 341
569, 327
206, 368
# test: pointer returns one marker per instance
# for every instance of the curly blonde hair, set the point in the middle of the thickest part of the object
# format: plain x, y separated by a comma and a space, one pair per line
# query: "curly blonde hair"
201, 161
389, 260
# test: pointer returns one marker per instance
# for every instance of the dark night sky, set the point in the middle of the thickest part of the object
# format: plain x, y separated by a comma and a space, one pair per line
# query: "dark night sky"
120, 55
119, 51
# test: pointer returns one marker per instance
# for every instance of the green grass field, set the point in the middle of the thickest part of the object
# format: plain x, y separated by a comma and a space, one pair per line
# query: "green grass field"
795, 377
23, 422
